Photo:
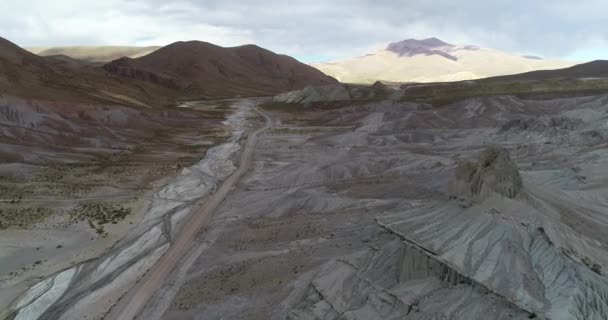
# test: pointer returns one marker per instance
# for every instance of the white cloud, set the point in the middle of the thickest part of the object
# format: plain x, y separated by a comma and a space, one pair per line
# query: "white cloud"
336, 28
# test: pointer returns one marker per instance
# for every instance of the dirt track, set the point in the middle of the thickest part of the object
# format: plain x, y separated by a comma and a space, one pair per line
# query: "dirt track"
129, 306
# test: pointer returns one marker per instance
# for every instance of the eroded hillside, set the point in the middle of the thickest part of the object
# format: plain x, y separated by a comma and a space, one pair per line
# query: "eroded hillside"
487, 207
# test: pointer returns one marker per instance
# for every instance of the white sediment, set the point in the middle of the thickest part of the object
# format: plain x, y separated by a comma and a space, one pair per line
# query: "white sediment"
201, 178
41, 296
99, 301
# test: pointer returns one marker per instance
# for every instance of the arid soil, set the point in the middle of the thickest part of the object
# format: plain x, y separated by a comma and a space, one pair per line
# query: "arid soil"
484, 208
131, 304
77, 178
360, 212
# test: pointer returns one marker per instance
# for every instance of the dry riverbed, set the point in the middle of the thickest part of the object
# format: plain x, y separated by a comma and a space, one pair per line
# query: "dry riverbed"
132, 199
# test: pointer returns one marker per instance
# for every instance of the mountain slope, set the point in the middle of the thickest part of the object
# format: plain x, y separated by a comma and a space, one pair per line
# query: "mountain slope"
94, 53
589, 70
432, 60
29, 76
201, 68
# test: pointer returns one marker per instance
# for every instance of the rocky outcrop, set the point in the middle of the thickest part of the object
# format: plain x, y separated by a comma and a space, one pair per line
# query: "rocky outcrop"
560, 130
492, 172
337, 92
398, 281
541, 125
314, 94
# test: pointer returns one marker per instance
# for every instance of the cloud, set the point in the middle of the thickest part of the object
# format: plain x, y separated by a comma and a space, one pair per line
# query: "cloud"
316, 29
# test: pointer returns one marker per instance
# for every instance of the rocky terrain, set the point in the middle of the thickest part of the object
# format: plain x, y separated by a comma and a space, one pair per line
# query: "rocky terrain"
487, 208
482, 208
334, 93
75, 178
77, 287
433, 60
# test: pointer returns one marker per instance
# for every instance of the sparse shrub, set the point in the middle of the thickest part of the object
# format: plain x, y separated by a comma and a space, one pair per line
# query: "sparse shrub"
98, 214
22, 217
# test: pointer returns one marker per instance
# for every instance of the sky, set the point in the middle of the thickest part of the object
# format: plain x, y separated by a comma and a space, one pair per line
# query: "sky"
314, 31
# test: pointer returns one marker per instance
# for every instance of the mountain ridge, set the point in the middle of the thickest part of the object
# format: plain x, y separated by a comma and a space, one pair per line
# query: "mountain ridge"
183, 70
433, 60
94, 54
212, 70
592, 69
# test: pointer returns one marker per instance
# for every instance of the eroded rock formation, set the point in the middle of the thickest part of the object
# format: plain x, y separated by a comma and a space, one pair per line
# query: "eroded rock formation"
492, 172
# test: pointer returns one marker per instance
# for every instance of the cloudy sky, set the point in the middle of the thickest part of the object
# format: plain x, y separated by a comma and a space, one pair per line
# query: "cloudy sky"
316, 30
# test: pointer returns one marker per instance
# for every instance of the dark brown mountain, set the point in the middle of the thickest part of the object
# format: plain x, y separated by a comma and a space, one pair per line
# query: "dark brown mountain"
29, 76
182, 70
593, 69
204, 69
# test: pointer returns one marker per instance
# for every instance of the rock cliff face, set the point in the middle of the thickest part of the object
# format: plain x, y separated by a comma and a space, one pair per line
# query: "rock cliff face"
493, 172
398, 281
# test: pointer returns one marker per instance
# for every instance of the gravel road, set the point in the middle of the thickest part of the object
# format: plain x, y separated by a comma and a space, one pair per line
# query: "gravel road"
129, 306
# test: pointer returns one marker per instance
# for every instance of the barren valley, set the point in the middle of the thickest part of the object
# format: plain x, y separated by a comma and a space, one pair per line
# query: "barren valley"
202, 182
376, 209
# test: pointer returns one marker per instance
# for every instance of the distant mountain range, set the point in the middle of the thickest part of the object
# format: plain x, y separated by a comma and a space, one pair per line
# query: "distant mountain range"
597, 69
183, 70
203, 68
64, 79
433, 60
196, 69
94, 54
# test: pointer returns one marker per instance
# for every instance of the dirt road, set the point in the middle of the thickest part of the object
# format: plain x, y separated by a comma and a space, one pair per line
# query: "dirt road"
130, 305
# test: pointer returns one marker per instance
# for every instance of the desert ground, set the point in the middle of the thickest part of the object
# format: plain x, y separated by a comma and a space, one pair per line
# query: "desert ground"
484, 208
79, 181
372, 211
